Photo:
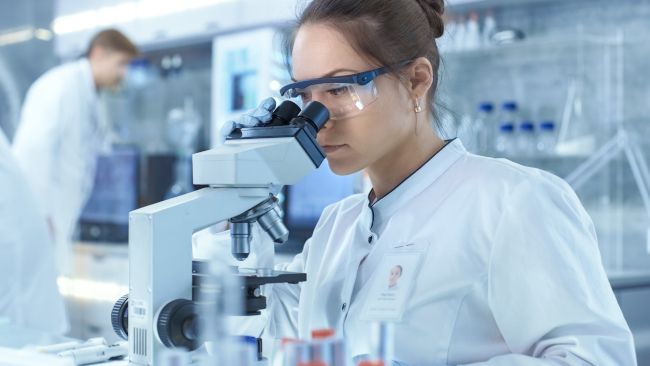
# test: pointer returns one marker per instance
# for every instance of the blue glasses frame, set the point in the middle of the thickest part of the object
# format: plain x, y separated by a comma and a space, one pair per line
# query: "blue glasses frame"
361, 78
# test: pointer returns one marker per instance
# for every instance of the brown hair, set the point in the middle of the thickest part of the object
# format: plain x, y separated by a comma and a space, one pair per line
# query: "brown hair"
113, 40
387, 32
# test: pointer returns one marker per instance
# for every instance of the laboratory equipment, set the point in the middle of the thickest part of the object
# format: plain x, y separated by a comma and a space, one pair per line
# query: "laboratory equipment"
546, 137
114, 194
509, 112
575, 135
323, 349
243, 175
328, 347
504, 141
278, 358
256, 344
96, 354
183, 126
489, 29
140, 74
72, 345
384, 342
473, 34
371, 363
508, 36
623, 143
526, 141
157, 176
303, 208
244, 351
460, 33
245, 66
174, 357
484, 125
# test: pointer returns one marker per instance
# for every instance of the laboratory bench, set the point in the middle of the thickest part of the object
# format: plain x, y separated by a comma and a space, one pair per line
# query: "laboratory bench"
108, 263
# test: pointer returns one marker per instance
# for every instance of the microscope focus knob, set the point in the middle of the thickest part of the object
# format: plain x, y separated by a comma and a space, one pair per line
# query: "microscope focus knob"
178, 323
120, 317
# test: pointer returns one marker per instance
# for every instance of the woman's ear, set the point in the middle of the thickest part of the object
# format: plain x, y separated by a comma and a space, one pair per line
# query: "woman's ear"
419, 77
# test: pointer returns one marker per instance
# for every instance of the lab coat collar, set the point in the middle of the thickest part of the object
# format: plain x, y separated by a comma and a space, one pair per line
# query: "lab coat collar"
89, 82
418, 181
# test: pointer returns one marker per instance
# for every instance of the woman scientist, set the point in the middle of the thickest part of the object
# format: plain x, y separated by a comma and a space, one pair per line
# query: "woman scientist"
504, 260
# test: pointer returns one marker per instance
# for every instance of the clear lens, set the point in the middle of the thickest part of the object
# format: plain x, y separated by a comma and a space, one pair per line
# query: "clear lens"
342, 100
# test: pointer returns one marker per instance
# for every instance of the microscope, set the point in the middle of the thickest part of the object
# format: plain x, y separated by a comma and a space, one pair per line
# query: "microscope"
241, 176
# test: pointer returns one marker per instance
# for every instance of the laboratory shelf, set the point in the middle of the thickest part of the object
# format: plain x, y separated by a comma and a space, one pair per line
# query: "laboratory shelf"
535, 47
577, 80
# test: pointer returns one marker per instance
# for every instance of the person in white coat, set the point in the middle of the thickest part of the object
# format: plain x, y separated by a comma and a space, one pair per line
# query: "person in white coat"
60, 133
29, 296
500, 262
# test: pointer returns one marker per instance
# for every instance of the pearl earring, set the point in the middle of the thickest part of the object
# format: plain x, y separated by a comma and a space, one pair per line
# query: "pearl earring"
418, 107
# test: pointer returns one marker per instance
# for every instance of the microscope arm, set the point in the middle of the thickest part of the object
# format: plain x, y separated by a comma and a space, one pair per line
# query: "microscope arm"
160, 255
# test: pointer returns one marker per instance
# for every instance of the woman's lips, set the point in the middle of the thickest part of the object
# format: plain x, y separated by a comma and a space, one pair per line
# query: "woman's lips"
332, 148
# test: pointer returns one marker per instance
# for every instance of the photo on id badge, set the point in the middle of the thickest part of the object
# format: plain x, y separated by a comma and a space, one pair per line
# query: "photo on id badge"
394, 276
391, 285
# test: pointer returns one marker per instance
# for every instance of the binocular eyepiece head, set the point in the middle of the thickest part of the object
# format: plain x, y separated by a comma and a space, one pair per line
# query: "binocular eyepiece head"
314, 114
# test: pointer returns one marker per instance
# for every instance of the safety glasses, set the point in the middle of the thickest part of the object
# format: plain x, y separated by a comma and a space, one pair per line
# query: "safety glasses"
344, 96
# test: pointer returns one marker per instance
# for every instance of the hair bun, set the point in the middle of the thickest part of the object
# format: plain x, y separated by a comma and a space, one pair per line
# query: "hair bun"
433, 9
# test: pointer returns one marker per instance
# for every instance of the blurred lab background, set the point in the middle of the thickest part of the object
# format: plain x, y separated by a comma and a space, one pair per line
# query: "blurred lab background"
561, 85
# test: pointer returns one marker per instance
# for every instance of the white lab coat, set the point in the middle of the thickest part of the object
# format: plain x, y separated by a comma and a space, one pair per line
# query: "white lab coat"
29, 296
56, 145
511, 273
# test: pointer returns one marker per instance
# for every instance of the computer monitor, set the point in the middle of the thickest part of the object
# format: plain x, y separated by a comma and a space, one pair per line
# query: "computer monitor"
115, 193
305, 201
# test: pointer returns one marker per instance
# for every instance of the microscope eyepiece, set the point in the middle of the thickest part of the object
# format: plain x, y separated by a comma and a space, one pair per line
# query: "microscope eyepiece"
315, 114
284, 113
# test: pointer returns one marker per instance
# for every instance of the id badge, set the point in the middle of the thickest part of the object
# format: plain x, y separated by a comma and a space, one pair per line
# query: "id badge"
392, 283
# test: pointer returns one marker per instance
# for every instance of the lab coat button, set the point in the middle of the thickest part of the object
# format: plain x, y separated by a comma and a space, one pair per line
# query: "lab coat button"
370, 238
344, 306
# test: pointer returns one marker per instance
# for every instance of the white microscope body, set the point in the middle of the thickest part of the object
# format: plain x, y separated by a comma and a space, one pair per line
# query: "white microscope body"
241, 174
